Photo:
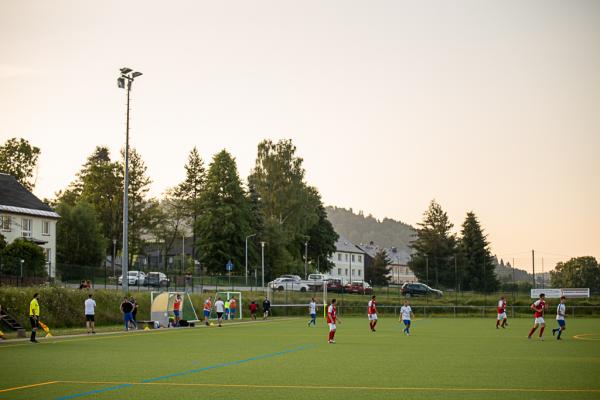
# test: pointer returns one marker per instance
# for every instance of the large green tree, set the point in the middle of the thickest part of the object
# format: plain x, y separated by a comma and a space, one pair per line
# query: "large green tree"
224, 220
578, 272
289, 207
378, 271
141, 208
434, 248
189, 191
478, 265
19, 159
79, 239
169, 222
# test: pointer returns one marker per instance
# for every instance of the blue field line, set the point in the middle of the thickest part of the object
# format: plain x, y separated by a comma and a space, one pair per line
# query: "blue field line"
73, 396
191, 371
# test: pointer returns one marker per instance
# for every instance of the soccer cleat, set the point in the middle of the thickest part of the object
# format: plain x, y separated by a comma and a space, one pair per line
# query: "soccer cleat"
542, 338
529, 337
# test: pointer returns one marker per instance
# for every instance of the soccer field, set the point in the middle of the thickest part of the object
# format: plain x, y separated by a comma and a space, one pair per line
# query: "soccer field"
283, 358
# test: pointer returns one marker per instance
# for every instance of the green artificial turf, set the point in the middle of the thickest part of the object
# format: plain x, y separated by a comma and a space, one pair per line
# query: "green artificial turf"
284, 359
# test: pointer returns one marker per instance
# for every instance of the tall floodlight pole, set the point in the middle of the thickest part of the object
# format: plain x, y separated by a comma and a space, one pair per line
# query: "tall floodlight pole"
247, 237
124, 82
306, 259
262, 251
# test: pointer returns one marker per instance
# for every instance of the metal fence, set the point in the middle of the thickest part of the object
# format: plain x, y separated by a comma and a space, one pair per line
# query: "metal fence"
430, 311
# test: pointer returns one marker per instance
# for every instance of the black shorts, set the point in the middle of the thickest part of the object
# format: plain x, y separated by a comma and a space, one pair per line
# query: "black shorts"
219, 315
34, 322
89, 317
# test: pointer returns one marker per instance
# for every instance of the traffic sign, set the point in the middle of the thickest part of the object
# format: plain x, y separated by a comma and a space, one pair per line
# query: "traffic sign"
229, 266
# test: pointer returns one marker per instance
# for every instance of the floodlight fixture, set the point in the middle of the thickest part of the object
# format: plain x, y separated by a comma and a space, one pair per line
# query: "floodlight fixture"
121, 82
125, 70
136, 74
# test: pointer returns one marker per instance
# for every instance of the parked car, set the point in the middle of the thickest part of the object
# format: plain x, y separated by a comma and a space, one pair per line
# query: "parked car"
419, 289
294, 277
288, 284
157, 279
134, 278
316, 281
335, 286
358, 288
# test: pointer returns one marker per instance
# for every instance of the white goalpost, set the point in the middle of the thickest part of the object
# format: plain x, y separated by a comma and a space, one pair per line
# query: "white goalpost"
161, 307
227, 297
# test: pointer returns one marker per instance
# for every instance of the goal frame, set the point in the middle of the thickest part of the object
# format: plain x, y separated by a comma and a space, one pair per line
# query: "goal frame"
226, 295
161, 314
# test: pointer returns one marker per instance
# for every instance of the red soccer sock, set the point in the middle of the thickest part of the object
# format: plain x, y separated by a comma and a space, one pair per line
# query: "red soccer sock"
531, 332
371, 324
497, 322
332, 335
542, 330
374, 323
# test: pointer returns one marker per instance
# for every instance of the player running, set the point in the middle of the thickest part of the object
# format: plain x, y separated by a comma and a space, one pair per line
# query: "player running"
539, 307
501, 313
331, 320
405, 315
561, 311
312, 310
207, 308
266, 308
372, 313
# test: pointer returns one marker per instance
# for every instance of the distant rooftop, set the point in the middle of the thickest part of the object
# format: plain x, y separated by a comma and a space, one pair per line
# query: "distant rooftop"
15, 198
346, 246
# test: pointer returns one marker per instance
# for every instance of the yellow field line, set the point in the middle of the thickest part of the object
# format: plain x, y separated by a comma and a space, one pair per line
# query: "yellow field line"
430, 389
120, 335
582, 336
27, 386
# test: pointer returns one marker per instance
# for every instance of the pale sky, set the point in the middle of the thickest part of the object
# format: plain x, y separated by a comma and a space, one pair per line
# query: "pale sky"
486, 106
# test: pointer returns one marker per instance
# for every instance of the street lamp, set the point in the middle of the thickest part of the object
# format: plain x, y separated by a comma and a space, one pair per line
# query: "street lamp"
126, 79
113, 256
306, 259
262, 251
247, 237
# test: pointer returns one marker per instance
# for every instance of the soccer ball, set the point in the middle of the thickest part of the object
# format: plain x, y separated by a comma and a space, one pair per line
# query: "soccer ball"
212, 324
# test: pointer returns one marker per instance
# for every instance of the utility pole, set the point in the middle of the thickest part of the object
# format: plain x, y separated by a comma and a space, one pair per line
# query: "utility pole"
127, 74
306, 259
262, 251
247, 237
533, 264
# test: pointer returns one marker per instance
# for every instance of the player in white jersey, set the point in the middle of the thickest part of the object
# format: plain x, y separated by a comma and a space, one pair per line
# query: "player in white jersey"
312, 309
561, 311
405, 315
220, 308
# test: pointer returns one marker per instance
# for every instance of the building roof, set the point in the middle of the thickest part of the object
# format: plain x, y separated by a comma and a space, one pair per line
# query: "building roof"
16, 198
397, 256
346, 246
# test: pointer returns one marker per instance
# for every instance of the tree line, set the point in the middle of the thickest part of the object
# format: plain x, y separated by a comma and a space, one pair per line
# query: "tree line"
212, 204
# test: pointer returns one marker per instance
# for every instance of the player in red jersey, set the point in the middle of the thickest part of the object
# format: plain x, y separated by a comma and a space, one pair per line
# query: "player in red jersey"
331, 320
372, 313
501, 313
538, 308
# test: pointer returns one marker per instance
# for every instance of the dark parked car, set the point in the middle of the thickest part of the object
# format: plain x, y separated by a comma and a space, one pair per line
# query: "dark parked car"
157, 279
358, 288
335, 286
419, 289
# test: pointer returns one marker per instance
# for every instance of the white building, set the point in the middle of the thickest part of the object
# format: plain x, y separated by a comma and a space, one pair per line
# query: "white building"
349, 262
22, 215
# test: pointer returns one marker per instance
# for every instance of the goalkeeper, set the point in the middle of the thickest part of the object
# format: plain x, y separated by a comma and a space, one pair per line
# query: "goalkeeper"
34, 316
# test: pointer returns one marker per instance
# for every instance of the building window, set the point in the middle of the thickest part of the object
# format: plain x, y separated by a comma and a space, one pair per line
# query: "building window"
5, 222
346, 256
26, 227
339, 271
339, 256
359, 258
353, 271
46, 228
359, 272
346, 272
352, 257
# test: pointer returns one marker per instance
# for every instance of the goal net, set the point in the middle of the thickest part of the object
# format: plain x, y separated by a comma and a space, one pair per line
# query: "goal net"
227, 298
161, 308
